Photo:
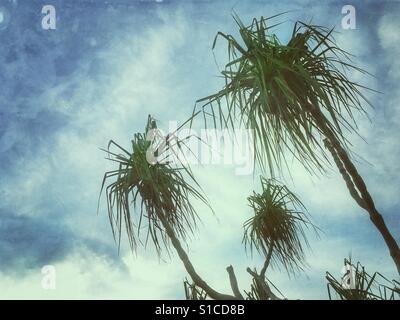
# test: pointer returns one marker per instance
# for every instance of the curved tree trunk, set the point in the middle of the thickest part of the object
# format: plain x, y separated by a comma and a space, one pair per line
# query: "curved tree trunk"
267, 260
188, 265
356, 184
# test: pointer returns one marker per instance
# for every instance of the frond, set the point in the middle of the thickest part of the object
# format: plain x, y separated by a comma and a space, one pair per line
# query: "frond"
278, 224
151, 189
193, 292
288, 94
362, 285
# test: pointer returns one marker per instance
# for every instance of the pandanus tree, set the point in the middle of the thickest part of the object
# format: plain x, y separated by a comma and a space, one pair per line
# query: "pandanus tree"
161, 195
277, 231
358, 284
277, 228
298, 100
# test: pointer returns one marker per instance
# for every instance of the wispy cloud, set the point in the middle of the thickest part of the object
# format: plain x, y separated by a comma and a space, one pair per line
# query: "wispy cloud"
96, 78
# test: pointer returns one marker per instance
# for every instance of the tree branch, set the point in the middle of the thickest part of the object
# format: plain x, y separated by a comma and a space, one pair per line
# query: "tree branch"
234, 283
188, 265
263, 284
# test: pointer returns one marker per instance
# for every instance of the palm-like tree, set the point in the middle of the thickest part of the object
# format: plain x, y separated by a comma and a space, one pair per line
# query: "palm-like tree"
296, 97
277, 231
160, 194
277, 228
363, 285
161, 197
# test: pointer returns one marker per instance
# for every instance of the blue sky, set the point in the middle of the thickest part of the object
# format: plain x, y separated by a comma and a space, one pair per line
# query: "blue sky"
64, 93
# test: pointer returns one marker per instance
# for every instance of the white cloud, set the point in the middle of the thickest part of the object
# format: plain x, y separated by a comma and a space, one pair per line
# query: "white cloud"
84, 275
141, 75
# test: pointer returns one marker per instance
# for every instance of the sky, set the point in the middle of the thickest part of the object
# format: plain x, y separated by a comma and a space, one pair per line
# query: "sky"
65, 93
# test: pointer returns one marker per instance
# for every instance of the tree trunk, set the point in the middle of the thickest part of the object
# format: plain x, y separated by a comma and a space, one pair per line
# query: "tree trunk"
267, 260
188, 265
356, 184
